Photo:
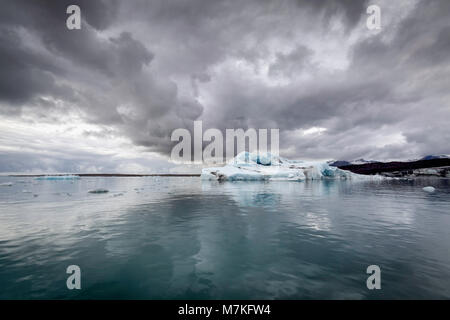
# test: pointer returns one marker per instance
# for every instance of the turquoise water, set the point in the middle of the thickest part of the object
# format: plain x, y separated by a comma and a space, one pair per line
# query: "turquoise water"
177, 238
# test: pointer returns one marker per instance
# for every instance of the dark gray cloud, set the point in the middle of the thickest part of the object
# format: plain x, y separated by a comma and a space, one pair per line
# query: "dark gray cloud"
143, 68
350, 10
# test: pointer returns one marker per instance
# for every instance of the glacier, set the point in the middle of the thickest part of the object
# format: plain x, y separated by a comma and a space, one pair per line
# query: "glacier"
247, 166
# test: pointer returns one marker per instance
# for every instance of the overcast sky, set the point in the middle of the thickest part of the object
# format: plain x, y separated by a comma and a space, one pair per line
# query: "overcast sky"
107, 97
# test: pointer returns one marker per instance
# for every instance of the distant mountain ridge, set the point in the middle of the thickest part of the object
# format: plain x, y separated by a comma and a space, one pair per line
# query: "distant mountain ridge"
399, 168
431, 157
341, 163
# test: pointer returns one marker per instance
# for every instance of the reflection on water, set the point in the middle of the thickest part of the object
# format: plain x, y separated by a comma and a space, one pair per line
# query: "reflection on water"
165, 238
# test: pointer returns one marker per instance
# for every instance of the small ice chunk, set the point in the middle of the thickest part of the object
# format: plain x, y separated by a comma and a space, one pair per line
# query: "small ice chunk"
429, 189
117, 195
26, 191
98, 191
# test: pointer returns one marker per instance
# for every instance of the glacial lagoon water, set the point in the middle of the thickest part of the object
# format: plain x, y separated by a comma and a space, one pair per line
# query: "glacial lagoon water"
184, 238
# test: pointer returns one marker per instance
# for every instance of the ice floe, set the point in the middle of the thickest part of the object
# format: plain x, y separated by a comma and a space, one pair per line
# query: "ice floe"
253, 166
62, 177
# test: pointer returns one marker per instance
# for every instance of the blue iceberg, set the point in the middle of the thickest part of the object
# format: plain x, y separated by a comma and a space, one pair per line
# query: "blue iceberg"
61, 177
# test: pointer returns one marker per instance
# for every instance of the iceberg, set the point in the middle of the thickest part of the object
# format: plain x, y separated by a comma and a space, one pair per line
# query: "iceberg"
253, 166
62, 177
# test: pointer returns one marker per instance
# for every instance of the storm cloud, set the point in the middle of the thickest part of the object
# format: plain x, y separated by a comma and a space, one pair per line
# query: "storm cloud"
116, 89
